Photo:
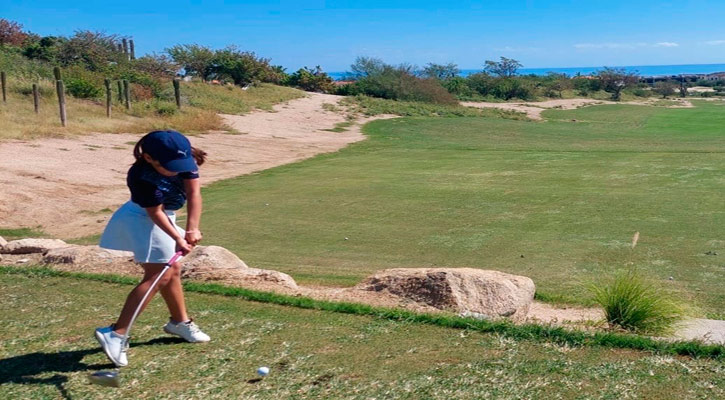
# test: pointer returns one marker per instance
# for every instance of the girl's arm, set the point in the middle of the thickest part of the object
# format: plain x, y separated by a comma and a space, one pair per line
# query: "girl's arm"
159, 217
193, 210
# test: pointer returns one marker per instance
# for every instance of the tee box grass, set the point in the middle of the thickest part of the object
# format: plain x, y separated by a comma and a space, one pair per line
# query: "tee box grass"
48, 349
557, 201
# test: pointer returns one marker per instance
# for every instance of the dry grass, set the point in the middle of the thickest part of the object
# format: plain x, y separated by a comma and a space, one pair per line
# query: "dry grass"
199, 114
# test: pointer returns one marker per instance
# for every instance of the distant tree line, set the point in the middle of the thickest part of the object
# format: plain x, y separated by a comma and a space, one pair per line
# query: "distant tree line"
89, 57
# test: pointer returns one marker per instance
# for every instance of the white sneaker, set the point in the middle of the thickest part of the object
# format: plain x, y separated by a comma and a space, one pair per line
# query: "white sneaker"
113, 344
187, 331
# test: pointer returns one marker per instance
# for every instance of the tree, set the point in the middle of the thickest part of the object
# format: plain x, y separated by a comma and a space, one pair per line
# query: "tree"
94, 50
367, 66
555, 84
159, 65
242, 67
614, 80
665, 88
505, 68
11, 33
441, 71
311, 80
196, 60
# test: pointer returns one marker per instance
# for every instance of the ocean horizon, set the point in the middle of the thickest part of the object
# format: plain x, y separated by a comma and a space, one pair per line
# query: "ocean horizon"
643, 70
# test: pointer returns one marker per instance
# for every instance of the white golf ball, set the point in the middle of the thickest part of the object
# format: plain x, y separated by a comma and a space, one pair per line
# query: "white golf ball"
263, 371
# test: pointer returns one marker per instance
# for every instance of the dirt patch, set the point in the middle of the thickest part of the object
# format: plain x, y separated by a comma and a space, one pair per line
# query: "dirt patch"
533, 110
68, 187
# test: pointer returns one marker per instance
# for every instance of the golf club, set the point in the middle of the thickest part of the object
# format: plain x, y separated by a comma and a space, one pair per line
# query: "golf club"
113, 378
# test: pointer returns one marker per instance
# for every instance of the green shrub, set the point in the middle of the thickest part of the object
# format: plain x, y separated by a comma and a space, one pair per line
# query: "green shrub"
165, 108
82, 89
632, 303
311, 80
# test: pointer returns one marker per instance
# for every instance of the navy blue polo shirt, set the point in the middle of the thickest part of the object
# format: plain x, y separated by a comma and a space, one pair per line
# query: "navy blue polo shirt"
149, 188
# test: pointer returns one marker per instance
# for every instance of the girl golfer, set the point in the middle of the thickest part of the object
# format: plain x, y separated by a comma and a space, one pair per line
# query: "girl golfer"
163, 177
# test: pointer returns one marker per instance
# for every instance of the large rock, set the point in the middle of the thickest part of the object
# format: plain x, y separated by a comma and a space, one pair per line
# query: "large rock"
469, 291
3, 242
28, 246
85, 255
214, 263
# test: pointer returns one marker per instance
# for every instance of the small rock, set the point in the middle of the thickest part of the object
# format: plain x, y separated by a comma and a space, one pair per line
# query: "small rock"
711, 253
345, 237
672, 278
29, 246
22, 261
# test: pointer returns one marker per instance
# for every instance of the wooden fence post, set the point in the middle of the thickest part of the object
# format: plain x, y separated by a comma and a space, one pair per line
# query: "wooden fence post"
61, 100
4, 83
120, 91
107, 83
127, 94
177, 93
56, 73
131, 48
125, 48
36, 98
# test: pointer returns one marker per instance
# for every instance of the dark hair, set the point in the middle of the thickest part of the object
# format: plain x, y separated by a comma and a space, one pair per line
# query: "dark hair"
198, 154
138, 151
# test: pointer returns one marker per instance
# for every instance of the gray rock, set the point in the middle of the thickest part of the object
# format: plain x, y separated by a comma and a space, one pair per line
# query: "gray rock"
84, 255
466, 291
28, 246
214, 263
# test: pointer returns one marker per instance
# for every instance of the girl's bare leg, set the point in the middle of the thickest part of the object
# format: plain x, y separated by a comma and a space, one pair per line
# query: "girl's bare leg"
151, 271
173, 295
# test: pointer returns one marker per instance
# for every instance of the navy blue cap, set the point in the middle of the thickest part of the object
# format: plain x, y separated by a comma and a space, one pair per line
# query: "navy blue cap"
171, 149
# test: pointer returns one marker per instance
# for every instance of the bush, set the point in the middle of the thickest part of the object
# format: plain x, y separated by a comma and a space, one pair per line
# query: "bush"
632, 303
164, 108
82, 89
311, 80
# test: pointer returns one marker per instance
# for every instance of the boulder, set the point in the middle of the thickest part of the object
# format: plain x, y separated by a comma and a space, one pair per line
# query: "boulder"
214, 263
3, 242
468, 291
28, 246
85, 255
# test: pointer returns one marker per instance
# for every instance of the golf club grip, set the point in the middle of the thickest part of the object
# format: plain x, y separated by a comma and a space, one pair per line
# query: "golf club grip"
176, 257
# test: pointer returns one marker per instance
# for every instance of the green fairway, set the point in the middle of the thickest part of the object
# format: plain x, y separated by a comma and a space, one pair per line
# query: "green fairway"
557, 201
48, 349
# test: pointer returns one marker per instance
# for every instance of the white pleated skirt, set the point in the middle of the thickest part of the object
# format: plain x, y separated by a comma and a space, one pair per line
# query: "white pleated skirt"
131, 229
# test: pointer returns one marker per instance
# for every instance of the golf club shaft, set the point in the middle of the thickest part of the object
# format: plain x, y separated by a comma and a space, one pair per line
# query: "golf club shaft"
176, 257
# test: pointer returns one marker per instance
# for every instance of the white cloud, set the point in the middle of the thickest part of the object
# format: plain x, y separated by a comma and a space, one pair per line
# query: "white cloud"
666, 44
715, 42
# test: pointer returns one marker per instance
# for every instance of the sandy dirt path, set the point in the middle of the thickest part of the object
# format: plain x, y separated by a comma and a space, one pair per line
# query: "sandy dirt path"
67, 186
534, 109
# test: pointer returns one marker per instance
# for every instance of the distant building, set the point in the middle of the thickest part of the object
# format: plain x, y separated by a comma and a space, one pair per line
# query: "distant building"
715, 76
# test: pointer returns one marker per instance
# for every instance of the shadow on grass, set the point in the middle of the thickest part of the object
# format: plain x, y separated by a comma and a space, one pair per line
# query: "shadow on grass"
24, 369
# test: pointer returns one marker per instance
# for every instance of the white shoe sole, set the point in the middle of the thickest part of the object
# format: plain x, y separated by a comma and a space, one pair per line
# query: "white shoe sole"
177, 335
102, 342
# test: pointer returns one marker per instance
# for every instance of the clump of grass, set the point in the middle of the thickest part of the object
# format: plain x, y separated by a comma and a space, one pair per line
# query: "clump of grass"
374, 106
21, 233
633, 303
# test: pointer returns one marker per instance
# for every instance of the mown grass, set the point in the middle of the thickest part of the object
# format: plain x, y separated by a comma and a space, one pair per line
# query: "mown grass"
48, 350
557, 201
202, 102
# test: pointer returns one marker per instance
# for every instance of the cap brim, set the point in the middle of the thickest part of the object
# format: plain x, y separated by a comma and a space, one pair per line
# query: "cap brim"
181, 165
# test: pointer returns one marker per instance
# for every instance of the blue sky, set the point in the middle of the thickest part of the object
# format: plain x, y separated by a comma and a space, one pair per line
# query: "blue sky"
333, 33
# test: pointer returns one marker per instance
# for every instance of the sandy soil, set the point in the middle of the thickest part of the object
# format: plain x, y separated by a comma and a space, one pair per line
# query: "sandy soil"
533, 110
66, 186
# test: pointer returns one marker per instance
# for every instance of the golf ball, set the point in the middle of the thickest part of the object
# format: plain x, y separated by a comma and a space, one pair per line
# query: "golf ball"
263, 371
